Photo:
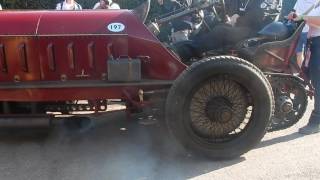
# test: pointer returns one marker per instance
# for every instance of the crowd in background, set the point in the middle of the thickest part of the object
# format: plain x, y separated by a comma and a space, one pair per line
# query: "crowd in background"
74, 5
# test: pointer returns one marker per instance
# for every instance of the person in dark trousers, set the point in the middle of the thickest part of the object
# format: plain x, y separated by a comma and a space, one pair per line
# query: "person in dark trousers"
301, 7
313, 20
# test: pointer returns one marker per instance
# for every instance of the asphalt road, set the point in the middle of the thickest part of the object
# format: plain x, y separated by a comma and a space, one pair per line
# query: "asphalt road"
120, 149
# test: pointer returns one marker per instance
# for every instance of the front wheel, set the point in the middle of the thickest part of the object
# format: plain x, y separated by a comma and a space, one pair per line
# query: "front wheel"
220, 107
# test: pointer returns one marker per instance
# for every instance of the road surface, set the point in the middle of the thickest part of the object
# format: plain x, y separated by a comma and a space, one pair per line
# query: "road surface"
120, 149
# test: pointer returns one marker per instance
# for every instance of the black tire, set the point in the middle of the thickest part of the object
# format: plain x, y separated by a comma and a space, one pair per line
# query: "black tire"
241, 74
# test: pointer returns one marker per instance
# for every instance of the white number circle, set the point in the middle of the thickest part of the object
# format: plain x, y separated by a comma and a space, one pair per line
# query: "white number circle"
116, 27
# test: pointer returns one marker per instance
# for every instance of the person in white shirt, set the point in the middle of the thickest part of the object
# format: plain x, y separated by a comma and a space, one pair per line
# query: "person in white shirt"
68, 5
313, 20
0, 7
301, 7
106, 4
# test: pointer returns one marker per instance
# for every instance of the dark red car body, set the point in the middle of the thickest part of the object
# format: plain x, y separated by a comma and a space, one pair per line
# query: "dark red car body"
57, 56
63, 62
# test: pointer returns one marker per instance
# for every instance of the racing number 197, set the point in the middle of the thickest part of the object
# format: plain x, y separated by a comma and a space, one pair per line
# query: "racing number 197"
116, 27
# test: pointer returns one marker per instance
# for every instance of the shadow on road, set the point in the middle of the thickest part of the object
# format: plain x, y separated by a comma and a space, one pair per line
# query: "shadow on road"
280, 139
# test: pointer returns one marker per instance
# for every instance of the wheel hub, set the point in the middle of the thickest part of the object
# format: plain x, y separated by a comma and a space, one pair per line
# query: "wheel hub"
219, 109
291, 102
285, 104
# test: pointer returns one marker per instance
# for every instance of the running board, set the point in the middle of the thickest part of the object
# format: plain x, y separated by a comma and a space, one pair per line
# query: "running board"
81, 84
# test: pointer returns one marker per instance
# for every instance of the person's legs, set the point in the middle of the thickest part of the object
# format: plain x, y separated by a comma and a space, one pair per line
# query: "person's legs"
300, 48
211, 40
220, 37
314, 122
237, 34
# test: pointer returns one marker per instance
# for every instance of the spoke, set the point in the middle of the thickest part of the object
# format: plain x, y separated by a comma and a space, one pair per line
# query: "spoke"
219, 91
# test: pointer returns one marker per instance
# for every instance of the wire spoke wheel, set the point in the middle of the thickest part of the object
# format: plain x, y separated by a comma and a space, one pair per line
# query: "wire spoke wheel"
291, 102
220, 107
218, 110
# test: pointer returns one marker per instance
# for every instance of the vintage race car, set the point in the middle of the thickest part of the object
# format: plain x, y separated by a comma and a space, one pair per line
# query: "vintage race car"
49, 60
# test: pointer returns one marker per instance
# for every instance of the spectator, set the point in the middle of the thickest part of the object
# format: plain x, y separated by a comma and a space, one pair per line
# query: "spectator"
68, 5
301, 7
313, 20
106, 4
0, 7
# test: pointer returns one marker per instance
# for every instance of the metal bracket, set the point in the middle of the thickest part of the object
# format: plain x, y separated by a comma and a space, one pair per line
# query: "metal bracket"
145, 59
82, 75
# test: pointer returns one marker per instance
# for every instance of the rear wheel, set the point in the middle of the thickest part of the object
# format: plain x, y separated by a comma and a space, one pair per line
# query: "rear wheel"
291, 101
220, 107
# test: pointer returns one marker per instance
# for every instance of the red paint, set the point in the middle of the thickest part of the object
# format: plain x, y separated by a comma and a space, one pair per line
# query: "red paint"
73, 45
267, 62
